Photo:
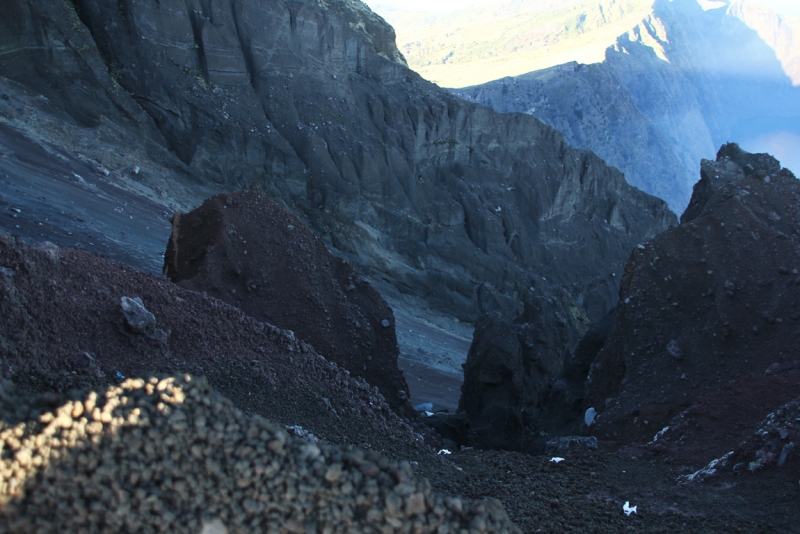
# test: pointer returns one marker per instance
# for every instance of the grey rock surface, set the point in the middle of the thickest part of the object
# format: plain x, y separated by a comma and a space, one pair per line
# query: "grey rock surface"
136, 315
593, 110
513, 393
564, 444
313, 104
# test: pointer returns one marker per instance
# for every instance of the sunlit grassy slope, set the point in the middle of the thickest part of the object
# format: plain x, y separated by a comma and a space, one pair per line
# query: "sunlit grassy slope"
510, 37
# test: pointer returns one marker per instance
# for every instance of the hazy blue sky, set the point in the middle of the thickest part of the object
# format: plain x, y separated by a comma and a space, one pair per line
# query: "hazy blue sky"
782, 145
784, 7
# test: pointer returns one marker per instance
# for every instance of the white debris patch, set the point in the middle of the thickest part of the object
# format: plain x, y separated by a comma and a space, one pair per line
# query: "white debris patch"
707, 472
660, 433
589, 416
628, 509
444, 451
556, 459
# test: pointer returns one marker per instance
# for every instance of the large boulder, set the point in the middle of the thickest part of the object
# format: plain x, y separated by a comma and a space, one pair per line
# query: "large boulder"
711, 304
250, 252
514, 394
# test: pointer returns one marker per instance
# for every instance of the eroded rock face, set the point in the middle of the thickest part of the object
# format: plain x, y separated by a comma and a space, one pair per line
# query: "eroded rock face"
314, 104
250, 252
701, 341
732, 164
706, 304
513, 387
590, 106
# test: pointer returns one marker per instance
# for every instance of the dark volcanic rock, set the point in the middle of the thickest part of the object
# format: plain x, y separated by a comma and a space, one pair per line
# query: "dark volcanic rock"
712, 303
732, 164
250, 252
312, 102
774, 443
513, 390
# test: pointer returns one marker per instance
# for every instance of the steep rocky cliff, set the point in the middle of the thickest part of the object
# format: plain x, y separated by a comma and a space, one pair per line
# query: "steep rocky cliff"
514, 395
444, 200
708, 309
589, 105
779, 31
674, 87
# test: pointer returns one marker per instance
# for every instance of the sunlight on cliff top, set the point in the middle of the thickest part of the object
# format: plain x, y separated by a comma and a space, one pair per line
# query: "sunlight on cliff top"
651, 33
490, 40
458, 44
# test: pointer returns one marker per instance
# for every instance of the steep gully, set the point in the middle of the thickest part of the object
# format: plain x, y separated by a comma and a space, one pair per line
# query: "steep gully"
699, 345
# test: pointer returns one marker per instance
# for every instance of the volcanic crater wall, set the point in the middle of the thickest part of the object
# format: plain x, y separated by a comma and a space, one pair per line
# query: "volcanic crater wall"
314, 104
680, 83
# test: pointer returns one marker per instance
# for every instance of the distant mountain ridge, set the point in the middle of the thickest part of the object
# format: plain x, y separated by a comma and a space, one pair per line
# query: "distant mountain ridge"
491, 39
780, 32
494, 39
678, 84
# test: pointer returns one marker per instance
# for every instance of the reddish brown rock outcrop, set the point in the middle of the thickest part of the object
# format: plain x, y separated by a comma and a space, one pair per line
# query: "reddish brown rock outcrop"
708, 322
250, 252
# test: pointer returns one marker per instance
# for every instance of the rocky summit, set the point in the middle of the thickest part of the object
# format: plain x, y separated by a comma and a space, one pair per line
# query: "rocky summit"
695, 365
705, 307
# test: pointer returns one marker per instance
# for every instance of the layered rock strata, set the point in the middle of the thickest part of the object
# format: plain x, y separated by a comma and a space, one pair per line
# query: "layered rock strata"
314, 104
